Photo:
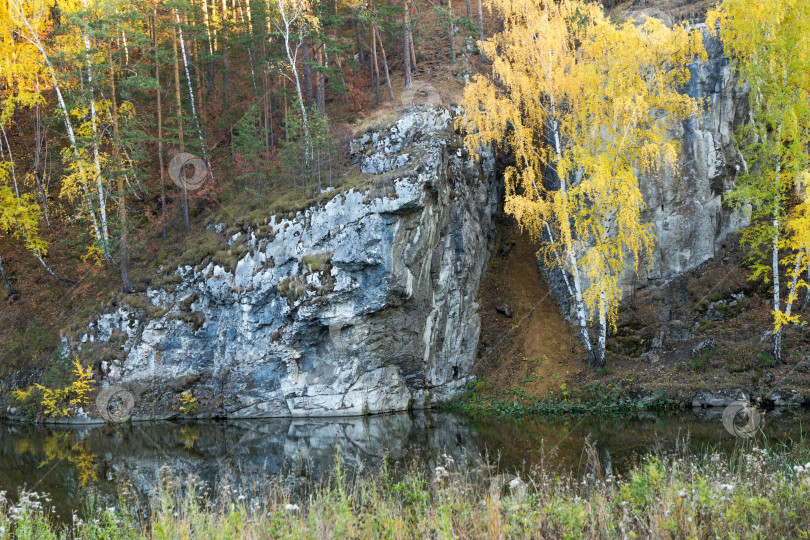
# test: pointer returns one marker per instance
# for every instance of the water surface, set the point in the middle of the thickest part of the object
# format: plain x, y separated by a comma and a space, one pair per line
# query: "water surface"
70, 462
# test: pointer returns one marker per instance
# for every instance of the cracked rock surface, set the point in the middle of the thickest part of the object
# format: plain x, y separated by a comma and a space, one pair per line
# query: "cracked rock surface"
686, 207
366, 303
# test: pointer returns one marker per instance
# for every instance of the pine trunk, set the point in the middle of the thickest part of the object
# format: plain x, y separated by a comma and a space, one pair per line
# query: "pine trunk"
9, 286
806, 300
321, 83
209, 48
226, 64
385, 65
306, 60
126, 285
414, 67
451, 14
158, 93
481, 28
406, 53
375, 78
38, 144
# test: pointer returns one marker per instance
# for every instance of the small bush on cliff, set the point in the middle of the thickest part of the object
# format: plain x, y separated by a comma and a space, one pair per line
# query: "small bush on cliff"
60, 402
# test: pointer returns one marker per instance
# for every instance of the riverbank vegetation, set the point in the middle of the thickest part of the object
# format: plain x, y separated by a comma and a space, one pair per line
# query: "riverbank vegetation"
479, 398
755, 492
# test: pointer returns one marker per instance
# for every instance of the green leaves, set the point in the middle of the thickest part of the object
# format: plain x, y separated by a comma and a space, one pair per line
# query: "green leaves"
767, 39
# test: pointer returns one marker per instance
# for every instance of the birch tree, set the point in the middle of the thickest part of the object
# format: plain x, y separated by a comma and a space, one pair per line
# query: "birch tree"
30, 24
293, 21
584, 106
768, 40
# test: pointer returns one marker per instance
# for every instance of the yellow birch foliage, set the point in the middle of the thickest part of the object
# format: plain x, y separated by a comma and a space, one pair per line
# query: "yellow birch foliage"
20, 216
61, 402
624, 99
572, 92
769, 41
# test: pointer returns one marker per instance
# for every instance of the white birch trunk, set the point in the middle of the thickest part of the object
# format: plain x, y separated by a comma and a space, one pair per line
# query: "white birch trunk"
191, 96
797, 268
582, 312
34, 39
600, 358
102, 202
287, 19
777, 334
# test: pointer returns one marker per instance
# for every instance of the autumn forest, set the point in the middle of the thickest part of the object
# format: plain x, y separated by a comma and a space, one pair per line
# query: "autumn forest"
98, 98
226, 223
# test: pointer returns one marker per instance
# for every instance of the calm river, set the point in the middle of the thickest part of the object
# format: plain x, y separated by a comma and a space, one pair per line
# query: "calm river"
70, 462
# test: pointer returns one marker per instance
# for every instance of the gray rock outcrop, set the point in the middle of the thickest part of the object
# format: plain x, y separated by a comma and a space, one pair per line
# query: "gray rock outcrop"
366, 303
686, 207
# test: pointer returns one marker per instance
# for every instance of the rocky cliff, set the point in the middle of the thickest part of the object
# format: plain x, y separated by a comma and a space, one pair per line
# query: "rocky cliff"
363, 304
686, 206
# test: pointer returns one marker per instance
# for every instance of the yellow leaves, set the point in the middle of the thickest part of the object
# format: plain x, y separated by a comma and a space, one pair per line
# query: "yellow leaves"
94, 255
61, 402
20, 216
780, 319
126, 111
59, 448
80, 388
802, 185
572, 93
768, 40
188, 403
22, 395
23, 99
54, 401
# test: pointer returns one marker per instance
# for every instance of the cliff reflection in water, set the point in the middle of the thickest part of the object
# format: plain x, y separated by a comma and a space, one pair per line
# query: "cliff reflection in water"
68, 462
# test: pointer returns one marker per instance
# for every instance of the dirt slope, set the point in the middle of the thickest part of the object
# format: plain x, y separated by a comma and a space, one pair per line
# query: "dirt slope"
535, 349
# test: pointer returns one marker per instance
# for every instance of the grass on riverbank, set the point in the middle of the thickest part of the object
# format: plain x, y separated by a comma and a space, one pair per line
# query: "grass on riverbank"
762, 493
598, 400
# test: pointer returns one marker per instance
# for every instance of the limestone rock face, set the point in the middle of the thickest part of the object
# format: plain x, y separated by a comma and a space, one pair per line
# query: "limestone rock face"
686, 206
366, 303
